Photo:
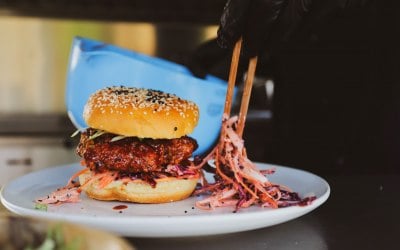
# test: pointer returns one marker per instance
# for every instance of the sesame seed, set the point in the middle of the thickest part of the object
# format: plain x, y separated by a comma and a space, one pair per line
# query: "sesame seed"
112, 99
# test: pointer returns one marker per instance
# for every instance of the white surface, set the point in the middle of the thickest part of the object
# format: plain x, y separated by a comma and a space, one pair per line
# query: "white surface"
159, 220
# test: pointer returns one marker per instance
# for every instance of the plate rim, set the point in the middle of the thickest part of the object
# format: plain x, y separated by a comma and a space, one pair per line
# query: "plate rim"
182, 220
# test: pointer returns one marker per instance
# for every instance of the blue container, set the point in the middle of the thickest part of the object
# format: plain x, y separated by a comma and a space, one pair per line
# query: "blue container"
94, 65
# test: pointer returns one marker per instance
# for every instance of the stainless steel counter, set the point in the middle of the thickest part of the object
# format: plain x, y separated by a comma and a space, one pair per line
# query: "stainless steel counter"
361, 213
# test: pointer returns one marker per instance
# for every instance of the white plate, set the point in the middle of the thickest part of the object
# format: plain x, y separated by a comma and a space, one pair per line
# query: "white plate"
159, 220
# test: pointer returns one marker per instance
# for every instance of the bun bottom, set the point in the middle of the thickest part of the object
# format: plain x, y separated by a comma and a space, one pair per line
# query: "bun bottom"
167, 190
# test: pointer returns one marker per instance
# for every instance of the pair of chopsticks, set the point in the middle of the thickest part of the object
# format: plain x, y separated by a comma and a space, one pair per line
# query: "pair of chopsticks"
247, 86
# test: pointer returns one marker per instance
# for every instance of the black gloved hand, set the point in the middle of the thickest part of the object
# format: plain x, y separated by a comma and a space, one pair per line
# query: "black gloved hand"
264, 24
209, 58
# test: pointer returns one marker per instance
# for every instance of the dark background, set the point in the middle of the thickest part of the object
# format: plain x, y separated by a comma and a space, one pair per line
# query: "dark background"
336, 104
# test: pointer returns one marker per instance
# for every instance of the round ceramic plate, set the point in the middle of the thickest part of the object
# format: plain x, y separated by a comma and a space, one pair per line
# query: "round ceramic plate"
174, 219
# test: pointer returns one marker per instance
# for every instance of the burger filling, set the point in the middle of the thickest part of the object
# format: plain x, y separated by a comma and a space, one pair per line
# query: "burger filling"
135, 156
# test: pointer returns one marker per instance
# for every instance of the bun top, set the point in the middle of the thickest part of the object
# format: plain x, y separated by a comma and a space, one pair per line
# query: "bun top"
140, 112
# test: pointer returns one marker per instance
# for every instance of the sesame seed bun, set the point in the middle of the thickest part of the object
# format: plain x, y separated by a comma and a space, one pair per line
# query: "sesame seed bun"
167, 189
139, 112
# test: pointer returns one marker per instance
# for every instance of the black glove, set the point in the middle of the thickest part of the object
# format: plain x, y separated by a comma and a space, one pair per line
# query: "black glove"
264, 24
209, 58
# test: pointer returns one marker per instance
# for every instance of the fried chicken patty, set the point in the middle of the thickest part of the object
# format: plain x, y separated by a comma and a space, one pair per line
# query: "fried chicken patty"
132, 154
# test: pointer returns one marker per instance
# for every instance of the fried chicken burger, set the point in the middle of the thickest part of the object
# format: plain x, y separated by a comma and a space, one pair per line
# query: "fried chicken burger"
136, 147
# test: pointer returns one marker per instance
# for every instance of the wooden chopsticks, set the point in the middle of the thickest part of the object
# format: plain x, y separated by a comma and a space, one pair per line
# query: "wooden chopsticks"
232, 77
246, 90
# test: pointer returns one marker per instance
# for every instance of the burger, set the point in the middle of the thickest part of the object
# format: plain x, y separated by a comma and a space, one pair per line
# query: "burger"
136, 147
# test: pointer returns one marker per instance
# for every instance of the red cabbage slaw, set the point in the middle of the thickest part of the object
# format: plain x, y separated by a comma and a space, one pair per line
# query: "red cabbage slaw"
238, 181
